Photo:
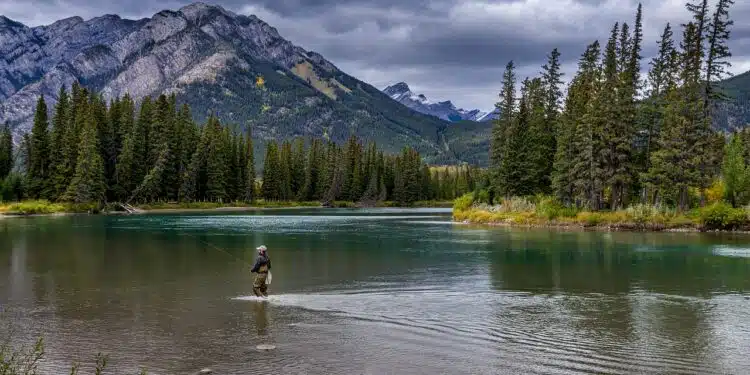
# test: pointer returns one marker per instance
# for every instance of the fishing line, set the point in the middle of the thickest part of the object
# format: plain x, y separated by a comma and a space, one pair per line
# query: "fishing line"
218, 248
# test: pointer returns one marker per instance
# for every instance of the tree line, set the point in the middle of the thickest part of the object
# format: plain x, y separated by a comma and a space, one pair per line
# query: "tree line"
616, 137
94, 151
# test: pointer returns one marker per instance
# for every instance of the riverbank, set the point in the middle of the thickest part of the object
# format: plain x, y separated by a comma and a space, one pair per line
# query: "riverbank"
518, 212
45, 208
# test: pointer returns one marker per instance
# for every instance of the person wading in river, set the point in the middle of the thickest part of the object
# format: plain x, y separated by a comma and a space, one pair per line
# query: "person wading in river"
261, 268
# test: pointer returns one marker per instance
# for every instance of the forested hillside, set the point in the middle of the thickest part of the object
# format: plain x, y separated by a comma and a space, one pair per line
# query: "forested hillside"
91, 151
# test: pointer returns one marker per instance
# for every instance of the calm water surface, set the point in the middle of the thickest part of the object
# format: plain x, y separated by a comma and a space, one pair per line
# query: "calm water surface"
373, 292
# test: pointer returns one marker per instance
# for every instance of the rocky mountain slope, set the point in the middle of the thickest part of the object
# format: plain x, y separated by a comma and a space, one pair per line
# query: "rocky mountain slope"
735, 112
445, 110
235, 66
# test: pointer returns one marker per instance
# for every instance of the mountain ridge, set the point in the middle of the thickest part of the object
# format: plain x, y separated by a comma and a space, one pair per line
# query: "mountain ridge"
444, 110
213, 60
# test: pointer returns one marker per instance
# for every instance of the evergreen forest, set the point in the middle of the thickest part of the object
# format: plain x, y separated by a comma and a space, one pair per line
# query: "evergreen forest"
618, 137
91, 151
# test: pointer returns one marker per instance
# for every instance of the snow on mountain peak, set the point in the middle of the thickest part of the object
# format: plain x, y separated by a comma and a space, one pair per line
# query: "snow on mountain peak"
445, 110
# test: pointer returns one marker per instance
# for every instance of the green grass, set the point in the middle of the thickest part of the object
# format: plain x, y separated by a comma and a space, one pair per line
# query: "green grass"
217, 205
43, 207
547, 212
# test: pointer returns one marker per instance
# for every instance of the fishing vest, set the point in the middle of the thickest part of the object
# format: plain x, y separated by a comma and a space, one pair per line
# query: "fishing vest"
263, 267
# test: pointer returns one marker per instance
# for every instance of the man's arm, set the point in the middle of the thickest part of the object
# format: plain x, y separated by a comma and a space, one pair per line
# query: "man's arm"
256, 266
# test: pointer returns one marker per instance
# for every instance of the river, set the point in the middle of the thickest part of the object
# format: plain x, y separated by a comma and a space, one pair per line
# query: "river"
378, 291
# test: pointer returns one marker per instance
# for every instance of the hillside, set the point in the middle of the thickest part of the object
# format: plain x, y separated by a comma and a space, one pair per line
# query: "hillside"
735, 113
233, 65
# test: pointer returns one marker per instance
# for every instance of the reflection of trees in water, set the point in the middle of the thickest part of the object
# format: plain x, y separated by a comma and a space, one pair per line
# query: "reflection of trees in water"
622, 294
612, 263
261, 318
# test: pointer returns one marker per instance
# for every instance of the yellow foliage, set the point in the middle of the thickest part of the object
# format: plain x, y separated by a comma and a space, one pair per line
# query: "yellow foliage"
260, 82
715, 192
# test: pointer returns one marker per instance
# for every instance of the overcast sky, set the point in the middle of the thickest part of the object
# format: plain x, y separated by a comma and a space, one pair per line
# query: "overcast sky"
445, 49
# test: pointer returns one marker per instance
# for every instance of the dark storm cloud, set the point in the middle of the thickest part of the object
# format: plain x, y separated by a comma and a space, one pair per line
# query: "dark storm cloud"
446, 49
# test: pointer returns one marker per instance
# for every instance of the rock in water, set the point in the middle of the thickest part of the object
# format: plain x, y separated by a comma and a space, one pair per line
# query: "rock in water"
265, 347
205, 371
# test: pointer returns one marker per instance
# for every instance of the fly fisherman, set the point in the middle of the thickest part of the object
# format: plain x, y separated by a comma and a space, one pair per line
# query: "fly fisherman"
261, 267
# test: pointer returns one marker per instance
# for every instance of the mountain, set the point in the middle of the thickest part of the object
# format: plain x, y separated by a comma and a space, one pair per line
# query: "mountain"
735, 112
235, 66
446, 110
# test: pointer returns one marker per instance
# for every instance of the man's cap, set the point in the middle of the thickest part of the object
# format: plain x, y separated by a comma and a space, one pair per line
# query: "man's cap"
261, 248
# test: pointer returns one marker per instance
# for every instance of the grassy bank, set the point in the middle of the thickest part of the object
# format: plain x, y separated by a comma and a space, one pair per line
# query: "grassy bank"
546, 212
199, 206
42, 207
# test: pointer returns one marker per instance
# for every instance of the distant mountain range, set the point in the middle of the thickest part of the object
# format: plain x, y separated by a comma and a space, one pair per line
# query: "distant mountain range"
445, 110
212, 59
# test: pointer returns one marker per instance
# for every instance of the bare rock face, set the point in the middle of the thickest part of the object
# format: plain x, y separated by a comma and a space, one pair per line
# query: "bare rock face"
211, 59
118, 56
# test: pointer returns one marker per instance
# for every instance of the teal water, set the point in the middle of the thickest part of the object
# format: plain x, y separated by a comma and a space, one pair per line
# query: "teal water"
380, 291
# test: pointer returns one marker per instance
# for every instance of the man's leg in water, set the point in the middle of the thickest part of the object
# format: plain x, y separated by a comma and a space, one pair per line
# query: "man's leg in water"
259, 285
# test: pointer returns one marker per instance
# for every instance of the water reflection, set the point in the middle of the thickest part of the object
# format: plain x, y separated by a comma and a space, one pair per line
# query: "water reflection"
360, 295
261, 318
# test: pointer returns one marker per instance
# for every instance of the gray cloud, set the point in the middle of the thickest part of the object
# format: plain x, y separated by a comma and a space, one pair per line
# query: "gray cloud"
446, 49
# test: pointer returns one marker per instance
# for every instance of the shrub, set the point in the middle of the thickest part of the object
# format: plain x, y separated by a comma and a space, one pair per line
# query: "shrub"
550, 208
482, 196
722, 216
35, 207
464, 202
589, 219
517, 204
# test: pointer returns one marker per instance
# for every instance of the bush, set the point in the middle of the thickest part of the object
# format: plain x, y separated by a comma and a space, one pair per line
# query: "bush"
550, 208
517, 204
589, 219
721, 216
464, 202
35, 207
482, 196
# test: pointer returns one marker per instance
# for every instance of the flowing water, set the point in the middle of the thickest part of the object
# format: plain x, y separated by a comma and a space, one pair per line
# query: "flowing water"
379, 291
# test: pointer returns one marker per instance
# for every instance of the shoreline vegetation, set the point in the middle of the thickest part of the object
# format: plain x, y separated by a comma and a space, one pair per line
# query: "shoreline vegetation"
546, 212
45, 208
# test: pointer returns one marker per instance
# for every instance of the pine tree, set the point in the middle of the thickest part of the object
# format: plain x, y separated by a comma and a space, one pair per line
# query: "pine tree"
193, 177
88, 184
620, 134
587, 175
540, 138
313, 170
501, 126
249, 168
662, 77
736, 173
546, 134
39, 153
575, 145
516, 172
271, 189
285, 165
675, 167
58, 160
297, 168
718, 52
216, 162
6, 151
